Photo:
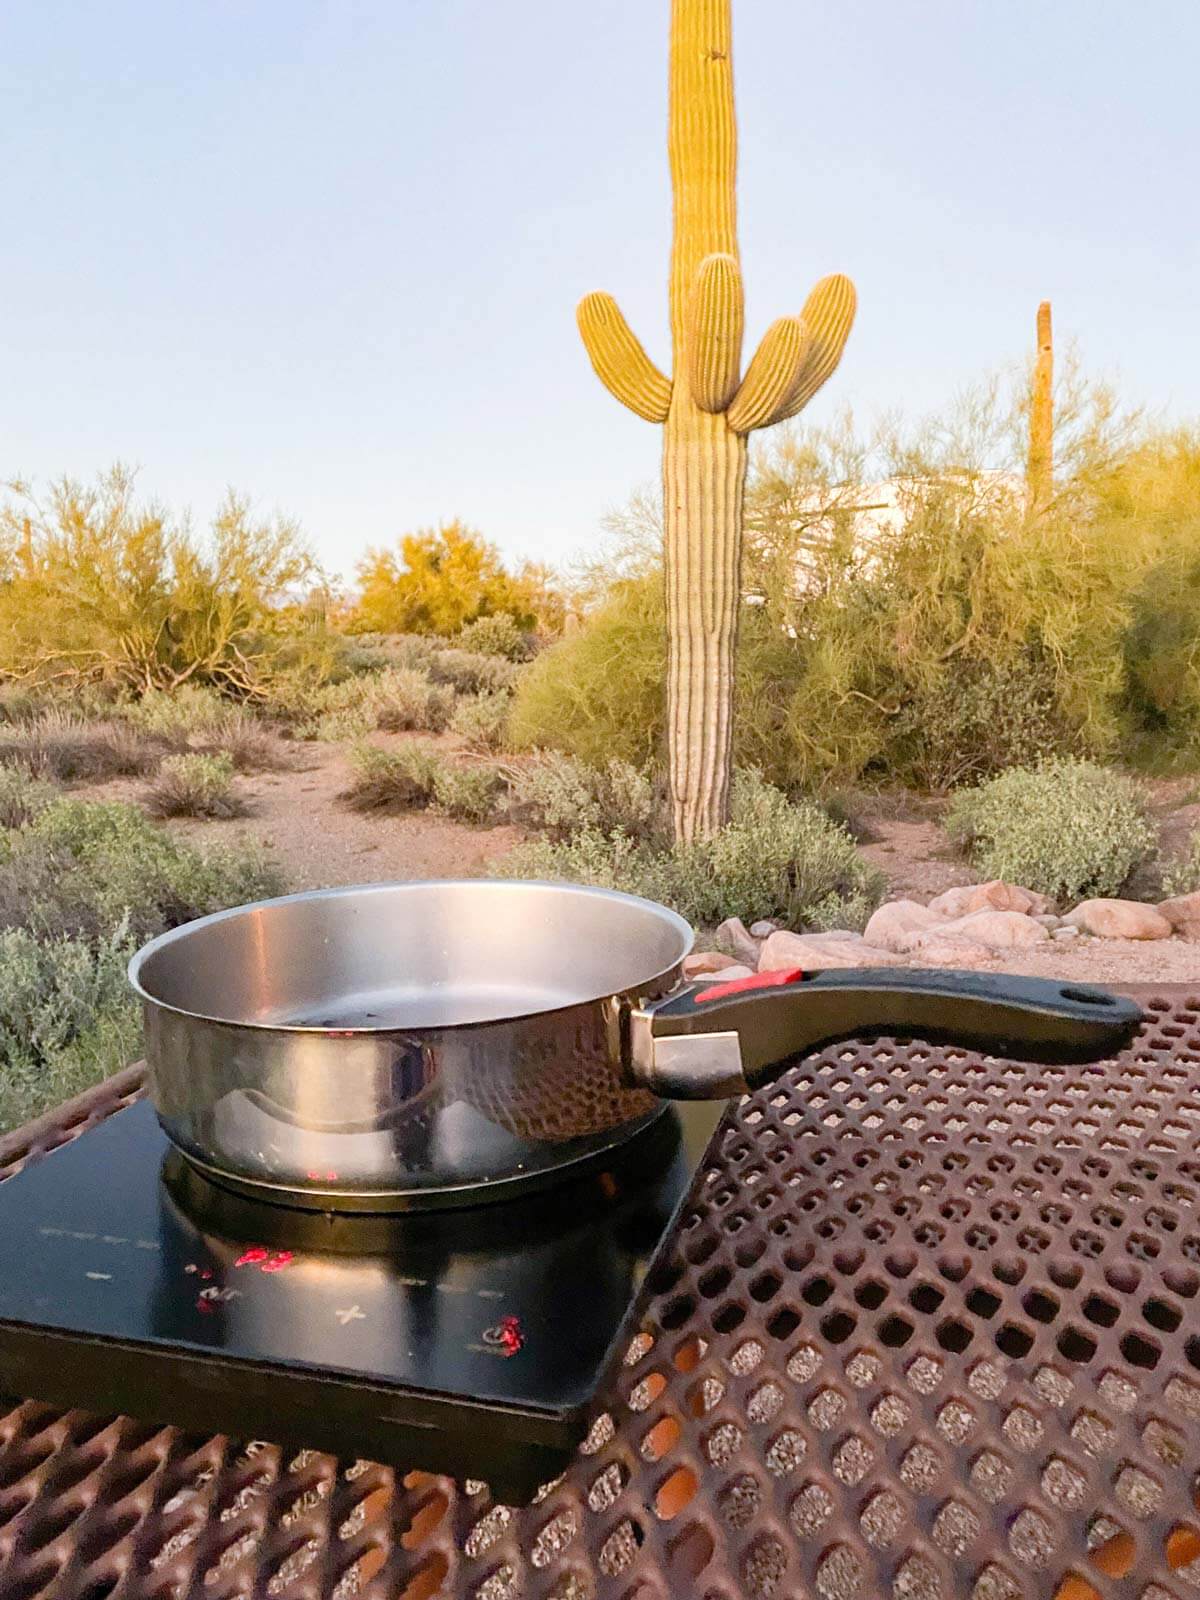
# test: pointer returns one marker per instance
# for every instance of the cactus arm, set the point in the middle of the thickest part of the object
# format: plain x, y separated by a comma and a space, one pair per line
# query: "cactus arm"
620, 362
715, 333
828, 315
771, 376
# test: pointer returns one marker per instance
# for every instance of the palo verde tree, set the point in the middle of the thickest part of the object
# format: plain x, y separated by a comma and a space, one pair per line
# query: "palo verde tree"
708, 407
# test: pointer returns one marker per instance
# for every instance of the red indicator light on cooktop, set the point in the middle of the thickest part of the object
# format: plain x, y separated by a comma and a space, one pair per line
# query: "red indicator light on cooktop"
506, 1336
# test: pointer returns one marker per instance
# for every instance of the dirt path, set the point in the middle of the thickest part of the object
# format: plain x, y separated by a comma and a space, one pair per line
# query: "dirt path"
320, 842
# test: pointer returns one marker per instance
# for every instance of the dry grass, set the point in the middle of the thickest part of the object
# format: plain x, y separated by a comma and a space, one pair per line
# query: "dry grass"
195, 785
60, 745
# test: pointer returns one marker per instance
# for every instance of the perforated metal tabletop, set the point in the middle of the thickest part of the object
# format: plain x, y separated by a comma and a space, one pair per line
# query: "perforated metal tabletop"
929, 1329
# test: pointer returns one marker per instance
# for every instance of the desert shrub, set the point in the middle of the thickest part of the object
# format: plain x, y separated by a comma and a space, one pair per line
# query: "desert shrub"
1066, 828
60, 744
481, 720
975, 721
470, 794
195, 785
393, 780
497, 635
176, 716
1182, 874
80, 867
561, 796
81, 884
406, 699
558, 795
23, 797
248, 742
775, 859
67, 1018
193, 717
598, 692
395, 700
470, 672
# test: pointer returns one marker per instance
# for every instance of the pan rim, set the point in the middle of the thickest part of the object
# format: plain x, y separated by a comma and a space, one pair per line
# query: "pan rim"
176, 935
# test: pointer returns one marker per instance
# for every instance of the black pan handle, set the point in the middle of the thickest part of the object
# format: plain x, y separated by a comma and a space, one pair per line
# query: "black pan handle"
769, 1020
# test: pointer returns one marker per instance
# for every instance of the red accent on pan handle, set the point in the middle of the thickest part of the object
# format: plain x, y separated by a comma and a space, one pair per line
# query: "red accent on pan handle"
759, 980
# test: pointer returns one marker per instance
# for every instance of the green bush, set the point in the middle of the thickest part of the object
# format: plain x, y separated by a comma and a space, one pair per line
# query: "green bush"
81, 884
195, 785
178, 715
1182, 876
395, 700
469, 794
405, 699
393, 780
81, 866
22, 796
561, 796
1068, 828
975, 721
67, 1018
598, 692
471, 672
775, 859
497, 635
481, 720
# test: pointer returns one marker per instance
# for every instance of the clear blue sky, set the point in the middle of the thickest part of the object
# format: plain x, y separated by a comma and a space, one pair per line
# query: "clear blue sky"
330, 252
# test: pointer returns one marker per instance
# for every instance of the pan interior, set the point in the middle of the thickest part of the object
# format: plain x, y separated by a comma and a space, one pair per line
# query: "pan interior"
411, 955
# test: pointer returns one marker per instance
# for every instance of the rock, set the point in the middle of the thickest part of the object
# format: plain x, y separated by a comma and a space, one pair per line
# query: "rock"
701, 962
1047, 919
730, 974
1119, 919
1183, 913
813, 951
999, 930
893, 925
763, 928
993, 896
1065, 932
938, 949
735, 935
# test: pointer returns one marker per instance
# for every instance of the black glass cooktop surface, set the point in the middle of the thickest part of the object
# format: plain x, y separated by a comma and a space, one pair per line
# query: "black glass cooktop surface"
469, 1342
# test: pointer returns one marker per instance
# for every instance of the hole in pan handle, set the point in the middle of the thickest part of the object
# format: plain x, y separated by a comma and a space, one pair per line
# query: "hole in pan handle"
772, 1018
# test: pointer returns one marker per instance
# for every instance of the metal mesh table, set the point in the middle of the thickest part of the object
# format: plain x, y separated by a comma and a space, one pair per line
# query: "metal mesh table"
929, 1329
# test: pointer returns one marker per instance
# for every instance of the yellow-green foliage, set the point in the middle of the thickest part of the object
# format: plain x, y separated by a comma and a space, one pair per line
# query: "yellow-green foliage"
440, 580
598, 693
1150, 506
96, 586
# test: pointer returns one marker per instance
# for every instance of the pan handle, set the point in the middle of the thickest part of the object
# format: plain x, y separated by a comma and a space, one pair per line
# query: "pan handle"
705, 1042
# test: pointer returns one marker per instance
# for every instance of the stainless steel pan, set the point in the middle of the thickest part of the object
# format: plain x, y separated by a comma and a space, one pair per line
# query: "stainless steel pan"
438, 1043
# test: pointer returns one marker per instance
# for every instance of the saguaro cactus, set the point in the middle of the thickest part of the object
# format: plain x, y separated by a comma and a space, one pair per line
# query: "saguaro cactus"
708, 407
1040, 473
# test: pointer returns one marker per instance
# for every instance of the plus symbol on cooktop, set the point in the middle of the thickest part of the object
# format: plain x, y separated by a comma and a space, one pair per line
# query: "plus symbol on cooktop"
350, 1314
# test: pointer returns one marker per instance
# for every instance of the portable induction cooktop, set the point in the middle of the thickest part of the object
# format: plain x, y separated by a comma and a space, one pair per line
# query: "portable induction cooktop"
469, 1342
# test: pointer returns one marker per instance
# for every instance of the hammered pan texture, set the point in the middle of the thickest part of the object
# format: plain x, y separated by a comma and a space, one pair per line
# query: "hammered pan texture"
929, 1329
